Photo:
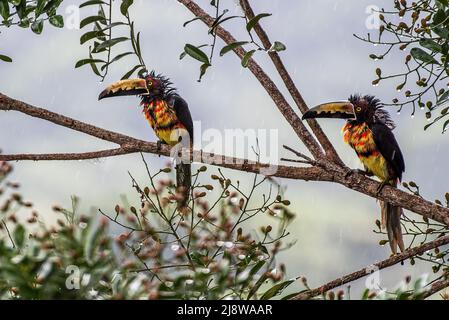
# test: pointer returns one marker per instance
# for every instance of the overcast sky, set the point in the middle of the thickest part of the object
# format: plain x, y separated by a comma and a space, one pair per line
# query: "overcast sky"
334, 225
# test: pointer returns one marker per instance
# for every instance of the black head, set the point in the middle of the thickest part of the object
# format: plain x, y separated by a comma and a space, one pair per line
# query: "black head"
158, 86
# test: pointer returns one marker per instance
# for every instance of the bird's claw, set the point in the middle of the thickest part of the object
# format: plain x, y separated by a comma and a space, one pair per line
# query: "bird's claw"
348, 173
381, 186
357, 171
159, 146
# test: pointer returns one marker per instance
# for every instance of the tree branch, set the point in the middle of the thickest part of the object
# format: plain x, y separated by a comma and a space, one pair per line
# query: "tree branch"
288, 81
436, 286
379, 265
324, 170
266, 82
67, 156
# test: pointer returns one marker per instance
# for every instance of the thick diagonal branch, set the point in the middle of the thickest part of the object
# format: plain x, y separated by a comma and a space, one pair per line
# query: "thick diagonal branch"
288, 81
266, 82
379, 265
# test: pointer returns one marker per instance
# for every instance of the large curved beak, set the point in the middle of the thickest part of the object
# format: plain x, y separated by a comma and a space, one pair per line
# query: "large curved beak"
340, 110
129, 87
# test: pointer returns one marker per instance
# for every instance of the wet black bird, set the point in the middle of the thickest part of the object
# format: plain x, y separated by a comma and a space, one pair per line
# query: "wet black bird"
167, 113
368, 131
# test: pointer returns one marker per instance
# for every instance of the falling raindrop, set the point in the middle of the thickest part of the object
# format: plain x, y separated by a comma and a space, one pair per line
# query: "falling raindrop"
399, 112
413, 115
137, 246
175, 247
229, 244
205, 271
241, 256
375, 85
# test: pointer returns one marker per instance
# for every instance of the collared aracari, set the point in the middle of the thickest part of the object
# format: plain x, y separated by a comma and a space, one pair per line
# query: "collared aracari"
167, 113
368, 131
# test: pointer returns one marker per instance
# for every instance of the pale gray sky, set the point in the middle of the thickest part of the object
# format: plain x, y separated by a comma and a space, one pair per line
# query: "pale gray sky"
334, 225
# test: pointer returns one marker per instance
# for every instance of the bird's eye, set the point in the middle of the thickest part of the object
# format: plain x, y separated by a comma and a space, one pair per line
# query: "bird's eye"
358, 109
150, 83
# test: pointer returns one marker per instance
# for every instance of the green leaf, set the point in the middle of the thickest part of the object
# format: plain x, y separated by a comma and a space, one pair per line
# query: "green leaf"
196, 53
247, 57
91, 3
446, 123
94, 67
90, 20
442, 32
83, 62
24, 23
423, 56
443, 97
90, 35
203, 69
431, 45
118, 57
110, 43
4, 9
226, 19
5, 58
187, 22
252, 23
124, 7
217, 21
19, 235
276, 289
130, 72
232, 46
444, 3
114, 24
439, 17
37, 26
57, 21
278, 46
39, 8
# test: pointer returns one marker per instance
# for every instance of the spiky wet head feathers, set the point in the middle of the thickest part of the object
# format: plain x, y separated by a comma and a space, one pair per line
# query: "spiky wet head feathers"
159, 87
370, 109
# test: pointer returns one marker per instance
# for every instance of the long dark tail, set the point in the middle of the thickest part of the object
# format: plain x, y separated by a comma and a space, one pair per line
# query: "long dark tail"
183, 183
391, 219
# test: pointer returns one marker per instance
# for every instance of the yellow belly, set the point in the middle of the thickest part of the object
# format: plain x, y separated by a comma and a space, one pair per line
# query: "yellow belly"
172, 136
361, 139
377, 165
165, 124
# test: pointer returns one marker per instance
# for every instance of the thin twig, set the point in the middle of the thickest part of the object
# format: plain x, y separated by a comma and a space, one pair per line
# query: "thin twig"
9, 234
365, 271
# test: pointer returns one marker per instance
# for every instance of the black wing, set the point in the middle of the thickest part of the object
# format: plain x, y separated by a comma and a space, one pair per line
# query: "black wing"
388, 147
183, 113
